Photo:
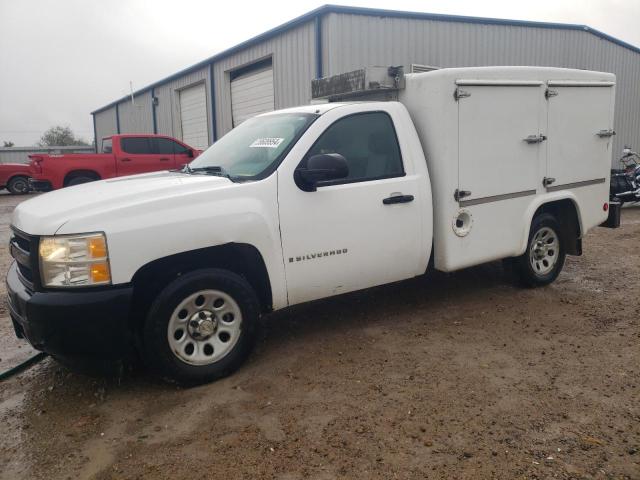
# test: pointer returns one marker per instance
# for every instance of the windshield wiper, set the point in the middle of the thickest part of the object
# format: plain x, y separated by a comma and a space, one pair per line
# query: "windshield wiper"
212, 169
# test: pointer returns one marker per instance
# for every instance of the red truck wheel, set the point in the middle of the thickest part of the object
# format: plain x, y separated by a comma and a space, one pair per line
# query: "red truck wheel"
18, 185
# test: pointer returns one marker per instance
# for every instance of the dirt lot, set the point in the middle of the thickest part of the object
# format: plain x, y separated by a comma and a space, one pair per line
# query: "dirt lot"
452, 376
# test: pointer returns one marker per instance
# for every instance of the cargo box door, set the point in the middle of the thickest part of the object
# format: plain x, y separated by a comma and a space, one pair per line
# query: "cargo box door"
580, 132
496, 161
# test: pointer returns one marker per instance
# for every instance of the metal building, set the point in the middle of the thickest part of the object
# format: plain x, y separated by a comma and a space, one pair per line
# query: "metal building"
274, 70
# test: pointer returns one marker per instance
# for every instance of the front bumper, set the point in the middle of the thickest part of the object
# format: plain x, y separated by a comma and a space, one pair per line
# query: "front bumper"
40, 185
91, 323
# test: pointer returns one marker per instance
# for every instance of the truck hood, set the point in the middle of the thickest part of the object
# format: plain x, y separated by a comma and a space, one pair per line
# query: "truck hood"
47, 213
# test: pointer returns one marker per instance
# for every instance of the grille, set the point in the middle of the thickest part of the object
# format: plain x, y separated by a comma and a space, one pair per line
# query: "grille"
24, 248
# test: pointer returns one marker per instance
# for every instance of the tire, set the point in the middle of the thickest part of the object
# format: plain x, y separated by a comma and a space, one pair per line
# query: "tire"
216, 312
79, 180
544, 257
18, 185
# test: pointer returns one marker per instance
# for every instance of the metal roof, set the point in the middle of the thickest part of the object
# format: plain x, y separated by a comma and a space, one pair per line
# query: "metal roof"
325, 9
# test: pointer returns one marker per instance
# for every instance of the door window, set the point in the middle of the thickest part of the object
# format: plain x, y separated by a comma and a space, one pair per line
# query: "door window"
167, 146
369, 144
136, 145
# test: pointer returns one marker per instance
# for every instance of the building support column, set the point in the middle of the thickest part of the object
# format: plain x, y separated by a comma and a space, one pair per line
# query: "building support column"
318, 32
153, 110
212, 102
95, 133
117, 120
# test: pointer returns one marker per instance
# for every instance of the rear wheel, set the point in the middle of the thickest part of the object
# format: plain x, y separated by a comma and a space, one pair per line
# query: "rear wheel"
544, 258
18, 185
200, 327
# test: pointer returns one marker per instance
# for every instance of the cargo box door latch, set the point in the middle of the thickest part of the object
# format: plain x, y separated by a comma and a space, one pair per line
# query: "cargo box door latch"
460, 194
535, 138
606, 133
458, 93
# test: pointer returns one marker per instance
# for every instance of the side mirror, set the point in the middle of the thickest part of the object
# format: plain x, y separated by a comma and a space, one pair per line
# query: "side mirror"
626, 151
190, 153
321, 168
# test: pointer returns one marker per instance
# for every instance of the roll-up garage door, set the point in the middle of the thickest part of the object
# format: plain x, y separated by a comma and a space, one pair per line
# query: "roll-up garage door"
193, 116
252, 94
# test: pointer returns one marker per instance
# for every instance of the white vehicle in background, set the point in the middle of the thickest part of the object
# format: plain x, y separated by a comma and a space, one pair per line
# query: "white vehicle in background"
466, 166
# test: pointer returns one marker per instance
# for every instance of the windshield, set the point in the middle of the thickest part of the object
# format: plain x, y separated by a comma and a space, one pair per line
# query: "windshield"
255, 148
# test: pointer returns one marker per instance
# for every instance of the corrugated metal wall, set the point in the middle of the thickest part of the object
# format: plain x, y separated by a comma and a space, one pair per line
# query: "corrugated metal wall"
21, 154
105, 123
292, 53
355, 41
136, 116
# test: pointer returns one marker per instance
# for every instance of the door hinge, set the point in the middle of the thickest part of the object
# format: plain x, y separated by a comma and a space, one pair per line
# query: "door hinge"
546, 181
606, 133
548, 93
535, 138
460, 194
458, 93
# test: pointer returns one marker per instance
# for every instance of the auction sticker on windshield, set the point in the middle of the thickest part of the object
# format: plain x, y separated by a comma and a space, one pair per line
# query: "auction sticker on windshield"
267, 142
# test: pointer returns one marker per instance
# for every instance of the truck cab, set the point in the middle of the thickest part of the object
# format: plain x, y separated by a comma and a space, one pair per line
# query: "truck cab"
120, 155
310, 202
143, 153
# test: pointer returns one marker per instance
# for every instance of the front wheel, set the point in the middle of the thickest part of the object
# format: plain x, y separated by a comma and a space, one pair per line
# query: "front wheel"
544, 258
201, 327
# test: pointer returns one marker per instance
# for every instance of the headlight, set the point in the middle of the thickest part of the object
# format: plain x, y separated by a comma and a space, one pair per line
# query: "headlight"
74, 260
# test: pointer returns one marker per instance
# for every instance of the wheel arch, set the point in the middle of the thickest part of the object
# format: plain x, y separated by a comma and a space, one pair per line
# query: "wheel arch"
566, 210
15, 175
241, 258
79, 173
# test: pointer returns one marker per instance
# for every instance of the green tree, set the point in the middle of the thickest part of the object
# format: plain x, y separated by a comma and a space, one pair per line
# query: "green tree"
8, 143
60, 136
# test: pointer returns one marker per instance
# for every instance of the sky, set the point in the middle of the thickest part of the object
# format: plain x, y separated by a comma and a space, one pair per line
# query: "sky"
62, 59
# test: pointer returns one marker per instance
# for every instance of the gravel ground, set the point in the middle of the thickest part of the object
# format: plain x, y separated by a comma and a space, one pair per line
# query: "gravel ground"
448, 376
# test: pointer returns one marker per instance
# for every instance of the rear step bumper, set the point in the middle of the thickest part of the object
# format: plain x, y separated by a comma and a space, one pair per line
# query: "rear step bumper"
613, 220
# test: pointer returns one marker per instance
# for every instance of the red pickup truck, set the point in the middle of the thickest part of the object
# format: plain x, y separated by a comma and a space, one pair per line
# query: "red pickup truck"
121, 155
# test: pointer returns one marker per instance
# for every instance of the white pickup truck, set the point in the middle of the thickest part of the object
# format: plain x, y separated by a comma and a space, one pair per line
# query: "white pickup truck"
467, 166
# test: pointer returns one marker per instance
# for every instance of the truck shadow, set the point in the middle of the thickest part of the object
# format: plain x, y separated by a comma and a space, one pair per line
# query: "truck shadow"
424, 295
348, 314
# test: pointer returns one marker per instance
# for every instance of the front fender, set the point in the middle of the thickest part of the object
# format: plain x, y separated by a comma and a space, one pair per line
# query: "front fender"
141, 233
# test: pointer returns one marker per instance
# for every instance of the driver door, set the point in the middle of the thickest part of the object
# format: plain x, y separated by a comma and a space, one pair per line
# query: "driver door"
139, 156
344, 236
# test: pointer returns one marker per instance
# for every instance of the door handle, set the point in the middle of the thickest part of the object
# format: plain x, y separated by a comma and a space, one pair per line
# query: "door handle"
397, 199
606, 133
164, 159
125, 160
535, 139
